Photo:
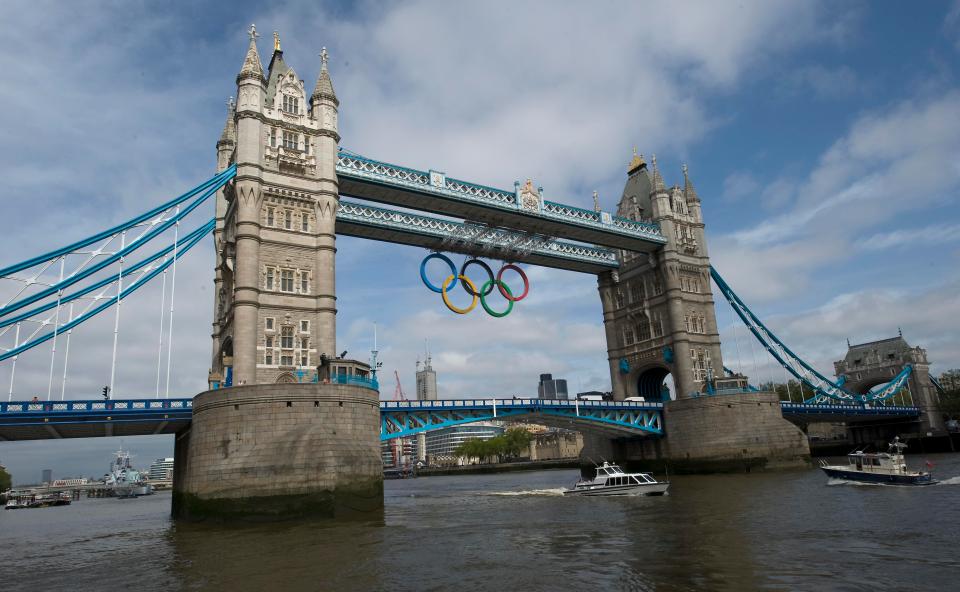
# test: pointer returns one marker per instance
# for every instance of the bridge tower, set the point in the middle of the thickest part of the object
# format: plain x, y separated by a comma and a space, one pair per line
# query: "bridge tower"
286, 441
658, 310
275, 309
868, 364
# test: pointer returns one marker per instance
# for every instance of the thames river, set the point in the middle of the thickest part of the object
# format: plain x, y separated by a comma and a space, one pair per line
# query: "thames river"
514, 532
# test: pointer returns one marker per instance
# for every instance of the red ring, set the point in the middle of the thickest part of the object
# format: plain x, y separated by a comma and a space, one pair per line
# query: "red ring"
523, 276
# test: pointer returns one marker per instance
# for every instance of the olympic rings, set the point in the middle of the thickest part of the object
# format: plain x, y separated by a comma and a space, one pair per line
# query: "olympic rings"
446, 300
483, 301
506, 291
463, 271
423, 271
471, 288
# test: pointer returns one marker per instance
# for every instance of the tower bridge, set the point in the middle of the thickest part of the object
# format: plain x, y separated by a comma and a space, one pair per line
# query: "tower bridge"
280, 432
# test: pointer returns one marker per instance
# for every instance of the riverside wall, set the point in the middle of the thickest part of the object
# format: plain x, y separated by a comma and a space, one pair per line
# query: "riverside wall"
280, 451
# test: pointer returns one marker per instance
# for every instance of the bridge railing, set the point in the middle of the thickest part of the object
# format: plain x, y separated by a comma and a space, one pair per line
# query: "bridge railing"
868, 409
508, 403
130, 405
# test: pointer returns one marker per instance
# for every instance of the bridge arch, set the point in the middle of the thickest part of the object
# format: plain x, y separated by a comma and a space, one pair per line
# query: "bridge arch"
286, 378
654, 382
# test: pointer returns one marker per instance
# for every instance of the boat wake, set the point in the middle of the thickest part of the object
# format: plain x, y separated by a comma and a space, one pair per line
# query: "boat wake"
950, 481
531, 492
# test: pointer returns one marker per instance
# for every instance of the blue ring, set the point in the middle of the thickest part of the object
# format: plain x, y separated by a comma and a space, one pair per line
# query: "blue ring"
423, 271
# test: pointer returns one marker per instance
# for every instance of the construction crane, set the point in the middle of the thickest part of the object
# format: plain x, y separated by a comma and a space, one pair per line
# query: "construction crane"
396, 444
398, 392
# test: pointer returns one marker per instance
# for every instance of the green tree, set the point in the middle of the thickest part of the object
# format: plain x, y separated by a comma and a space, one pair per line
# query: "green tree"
5, 479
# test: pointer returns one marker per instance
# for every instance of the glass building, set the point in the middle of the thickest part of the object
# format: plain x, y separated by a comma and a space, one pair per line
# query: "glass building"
161, 470
443, 442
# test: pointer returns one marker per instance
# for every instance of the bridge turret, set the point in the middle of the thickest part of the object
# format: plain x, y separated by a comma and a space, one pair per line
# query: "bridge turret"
658, 309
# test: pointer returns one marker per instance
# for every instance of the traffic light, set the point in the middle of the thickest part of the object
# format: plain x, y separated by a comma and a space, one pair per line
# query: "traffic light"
106, 392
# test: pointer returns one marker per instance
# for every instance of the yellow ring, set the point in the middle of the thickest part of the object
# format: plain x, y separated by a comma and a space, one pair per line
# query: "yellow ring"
473, 288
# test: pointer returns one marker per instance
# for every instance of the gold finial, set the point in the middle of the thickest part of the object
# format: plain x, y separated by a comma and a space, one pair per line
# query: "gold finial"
323, 57
636, 162
276, 41
253, 32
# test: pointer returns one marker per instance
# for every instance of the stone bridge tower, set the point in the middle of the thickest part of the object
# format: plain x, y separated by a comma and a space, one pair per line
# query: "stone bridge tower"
867, 365
658, 309
275, 304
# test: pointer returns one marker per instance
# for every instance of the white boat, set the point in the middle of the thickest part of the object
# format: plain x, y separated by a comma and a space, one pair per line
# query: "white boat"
611, 480
885, 468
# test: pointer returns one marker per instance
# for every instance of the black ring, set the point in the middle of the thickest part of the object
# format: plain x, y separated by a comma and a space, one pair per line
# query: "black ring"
463, 272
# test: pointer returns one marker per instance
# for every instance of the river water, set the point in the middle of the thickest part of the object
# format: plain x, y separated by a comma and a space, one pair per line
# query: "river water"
515, 531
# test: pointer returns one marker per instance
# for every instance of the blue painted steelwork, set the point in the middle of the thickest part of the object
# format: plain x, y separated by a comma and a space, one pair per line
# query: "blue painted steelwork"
399, 419
185, 242
848, 411
181, 251
390, 175
823, 386
227, 174
221, 179
51, 409
493, 240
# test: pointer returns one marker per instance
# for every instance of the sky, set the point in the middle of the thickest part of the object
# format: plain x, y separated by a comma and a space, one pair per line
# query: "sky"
823, 139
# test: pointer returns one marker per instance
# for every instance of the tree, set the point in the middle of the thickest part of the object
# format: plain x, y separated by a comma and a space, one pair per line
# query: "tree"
5, 479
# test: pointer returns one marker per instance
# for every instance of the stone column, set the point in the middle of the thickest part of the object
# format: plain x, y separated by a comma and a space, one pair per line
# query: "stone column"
607, 286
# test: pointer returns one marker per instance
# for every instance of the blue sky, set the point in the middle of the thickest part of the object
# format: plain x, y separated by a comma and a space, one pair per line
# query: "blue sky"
823, 138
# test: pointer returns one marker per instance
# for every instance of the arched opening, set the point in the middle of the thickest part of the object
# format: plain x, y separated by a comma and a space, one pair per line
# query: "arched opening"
655, 384
286, 378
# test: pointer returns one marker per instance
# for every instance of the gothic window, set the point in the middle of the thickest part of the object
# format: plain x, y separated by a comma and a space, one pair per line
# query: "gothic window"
268, 358
306, 144
291, 104
286, 359
270, 217
269, 285
286, 280
657, 325
657, 284
289, 140
628, 336
269, 342
304, 282
635, 288
286, 337
643, 330
304, 326
288, 219
304, 352
273, 137
268, 322
686, 322
619, 299
305, 222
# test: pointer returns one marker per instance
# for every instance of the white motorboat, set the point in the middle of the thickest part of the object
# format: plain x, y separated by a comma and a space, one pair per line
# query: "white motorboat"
883, 468
611, 480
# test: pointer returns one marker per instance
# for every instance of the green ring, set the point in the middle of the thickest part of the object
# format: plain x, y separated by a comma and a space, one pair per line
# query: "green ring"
483, 301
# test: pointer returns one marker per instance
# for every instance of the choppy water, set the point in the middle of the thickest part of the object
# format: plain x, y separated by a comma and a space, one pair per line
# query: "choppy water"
775, 531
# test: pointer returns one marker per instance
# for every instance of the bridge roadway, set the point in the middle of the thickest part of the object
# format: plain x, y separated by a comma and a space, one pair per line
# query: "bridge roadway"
24, 420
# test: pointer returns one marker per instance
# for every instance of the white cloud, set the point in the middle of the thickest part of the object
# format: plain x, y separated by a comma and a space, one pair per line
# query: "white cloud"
933, 235
824, 82
739, 185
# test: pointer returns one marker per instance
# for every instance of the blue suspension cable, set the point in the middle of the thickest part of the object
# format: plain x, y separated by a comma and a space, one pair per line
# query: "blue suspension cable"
203, 230
220, 178
110, 302
121, 253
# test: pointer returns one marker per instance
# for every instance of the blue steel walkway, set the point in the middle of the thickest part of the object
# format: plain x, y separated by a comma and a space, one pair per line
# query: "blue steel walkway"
23, 420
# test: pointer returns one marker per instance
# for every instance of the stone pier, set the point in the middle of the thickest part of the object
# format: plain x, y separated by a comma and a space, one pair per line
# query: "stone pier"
280, 451
729, 433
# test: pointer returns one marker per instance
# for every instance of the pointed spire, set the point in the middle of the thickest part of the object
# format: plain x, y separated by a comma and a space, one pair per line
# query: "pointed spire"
229, 127
636, 162
689, 191
276, 41
657, 179
251, 63
596, 201
324, 88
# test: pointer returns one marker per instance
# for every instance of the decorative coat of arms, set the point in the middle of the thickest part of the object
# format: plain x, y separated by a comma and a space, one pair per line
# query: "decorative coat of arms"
529, 196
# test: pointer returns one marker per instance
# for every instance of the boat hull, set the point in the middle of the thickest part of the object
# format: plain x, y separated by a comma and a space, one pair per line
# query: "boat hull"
879, 478
621, 490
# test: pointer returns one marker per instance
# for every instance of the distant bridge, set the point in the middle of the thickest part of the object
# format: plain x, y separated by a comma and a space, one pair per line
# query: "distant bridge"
24, 420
